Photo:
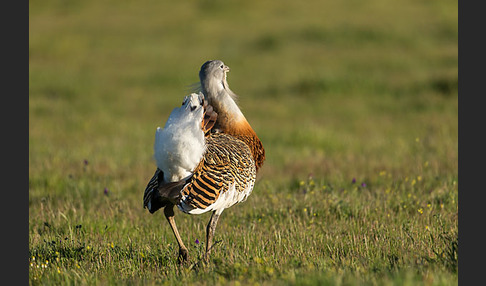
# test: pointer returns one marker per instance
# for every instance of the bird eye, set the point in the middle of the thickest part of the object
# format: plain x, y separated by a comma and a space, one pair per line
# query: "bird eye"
221, 66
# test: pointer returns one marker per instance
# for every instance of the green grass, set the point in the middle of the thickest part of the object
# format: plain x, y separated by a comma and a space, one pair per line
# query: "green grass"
335, 91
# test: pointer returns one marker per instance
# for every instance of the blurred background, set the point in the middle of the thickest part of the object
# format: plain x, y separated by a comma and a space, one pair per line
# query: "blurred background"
333, 88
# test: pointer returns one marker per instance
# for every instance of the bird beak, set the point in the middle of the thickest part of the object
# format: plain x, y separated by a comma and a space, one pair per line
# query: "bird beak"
226, 68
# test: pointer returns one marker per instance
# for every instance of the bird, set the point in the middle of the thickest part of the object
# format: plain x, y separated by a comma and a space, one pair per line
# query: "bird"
207, 156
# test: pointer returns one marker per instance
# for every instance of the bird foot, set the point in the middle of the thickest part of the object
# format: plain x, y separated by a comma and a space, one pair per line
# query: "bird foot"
183, 256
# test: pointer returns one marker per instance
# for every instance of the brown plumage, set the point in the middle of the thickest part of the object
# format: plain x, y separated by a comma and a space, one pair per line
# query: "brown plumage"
227, 163
227, 170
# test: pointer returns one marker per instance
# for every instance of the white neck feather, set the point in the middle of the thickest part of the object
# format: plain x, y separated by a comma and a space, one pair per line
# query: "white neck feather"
223, 100
226, 104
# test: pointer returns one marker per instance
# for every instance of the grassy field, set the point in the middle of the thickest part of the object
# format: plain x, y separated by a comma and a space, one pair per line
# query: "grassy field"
355, 103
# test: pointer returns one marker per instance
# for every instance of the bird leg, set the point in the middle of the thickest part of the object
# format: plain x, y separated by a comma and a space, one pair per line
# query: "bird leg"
210, 233
169, 215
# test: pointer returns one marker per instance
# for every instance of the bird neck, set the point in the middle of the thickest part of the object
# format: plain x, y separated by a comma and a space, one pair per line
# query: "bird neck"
229, 114
222, 99
231, 120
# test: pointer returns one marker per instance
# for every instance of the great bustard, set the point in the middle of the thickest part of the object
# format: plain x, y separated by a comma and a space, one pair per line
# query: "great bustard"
207, 155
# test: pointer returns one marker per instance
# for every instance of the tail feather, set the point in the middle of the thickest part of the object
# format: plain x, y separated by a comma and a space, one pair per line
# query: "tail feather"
158, 194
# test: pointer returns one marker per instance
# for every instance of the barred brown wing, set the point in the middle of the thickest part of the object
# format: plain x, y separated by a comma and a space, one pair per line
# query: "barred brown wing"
227, 163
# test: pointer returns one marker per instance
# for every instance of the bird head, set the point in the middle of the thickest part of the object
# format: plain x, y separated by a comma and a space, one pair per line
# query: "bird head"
214, 69
213, 76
